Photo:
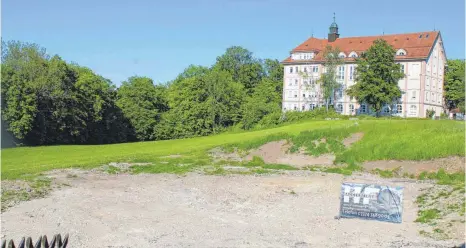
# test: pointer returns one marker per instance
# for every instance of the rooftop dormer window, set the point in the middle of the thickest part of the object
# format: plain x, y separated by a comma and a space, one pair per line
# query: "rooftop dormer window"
401, 52
342, 55
353, 55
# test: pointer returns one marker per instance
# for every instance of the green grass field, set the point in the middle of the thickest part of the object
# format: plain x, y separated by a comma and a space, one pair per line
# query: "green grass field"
383, 140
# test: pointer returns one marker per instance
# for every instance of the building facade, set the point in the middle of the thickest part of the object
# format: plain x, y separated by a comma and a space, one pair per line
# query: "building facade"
421, 55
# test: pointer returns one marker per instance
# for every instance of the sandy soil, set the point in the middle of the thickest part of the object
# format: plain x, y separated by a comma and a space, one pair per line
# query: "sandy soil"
296, 209
450, 165
355, 137
277, 153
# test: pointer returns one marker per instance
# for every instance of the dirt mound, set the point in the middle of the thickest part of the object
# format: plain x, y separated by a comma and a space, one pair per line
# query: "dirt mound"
450, 165
276, 152
355, 137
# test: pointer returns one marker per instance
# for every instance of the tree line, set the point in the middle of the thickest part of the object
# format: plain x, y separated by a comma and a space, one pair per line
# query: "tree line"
46, 100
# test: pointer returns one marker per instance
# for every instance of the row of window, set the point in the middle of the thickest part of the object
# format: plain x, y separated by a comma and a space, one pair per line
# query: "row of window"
294, 94
433, 97
362, 108
428, 81
306, 82
312, 68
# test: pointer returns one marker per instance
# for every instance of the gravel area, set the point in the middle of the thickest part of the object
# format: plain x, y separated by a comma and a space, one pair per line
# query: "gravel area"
292, 209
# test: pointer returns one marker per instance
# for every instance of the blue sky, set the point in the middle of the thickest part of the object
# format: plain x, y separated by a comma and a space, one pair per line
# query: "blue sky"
158, 39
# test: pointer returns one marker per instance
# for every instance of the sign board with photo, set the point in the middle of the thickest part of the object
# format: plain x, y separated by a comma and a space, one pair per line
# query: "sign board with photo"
369, 201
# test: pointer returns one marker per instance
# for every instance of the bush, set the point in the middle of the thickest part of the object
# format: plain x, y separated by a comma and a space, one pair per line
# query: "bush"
430, 113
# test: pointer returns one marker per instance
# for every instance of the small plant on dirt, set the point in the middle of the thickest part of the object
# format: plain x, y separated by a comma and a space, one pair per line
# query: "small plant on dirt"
216, 171
71, 176
260, 171
279, 167
444, 178
112, 169
292, 192
427, 216
423, 233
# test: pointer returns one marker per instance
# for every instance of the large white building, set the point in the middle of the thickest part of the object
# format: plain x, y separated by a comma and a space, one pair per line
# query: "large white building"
421, 55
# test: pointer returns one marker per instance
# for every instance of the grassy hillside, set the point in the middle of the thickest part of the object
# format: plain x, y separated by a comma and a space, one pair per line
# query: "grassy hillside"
383, 139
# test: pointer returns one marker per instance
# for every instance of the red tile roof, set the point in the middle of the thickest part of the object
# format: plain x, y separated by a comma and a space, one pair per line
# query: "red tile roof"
414, 46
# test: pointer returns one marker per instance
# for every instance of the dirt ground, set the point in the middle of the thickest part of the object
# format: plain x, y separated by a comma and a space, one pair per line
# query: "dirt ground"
450, 165
277, 153
292, 209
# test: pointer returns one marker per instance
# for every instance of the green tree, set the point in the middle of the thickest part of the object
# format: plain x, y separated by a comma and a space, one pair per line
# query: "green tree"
273, 70
454, 84
328, 79
202, 105
266, 99
24, 67
243, 67
191, 71
104, 121
140, 103
377, 76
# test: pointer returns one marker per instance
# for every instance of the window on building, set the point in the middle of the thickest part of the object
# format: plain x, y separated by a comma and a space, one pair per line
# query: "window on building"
386, 110
402, 68
296, 82
303, 108
413, 110
290, 93
341, 72
362, 109
427, 96
433, 97
315, 68
305, 69
339, 108
295, 107
313, 106
427, 81
295, 93
413, 95
399, 108
439, 98
304, 95
401, 52
290, 82
296, 69
351, 72
351, 107
291, 69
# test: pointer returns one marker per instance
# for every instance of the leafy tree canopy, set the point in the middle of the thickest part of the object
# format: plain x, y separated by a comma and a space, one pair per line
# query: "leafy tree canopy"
454, 84
377, 76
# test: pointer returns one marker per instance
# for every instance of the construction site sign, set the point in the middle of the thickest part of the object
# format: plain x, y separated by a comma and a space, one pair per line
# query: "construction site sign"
370, 201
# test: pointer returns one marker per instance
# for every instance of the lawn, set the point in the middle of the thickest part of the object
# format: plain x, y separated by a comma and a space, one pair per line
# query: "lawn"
383, 139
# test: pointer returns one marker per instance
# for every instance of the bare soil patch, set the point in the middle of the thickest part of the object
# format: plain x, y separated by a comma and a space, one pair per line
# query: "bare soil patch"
218, 154
449, 202
355, 137
295, 209
277, 153
450, 165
